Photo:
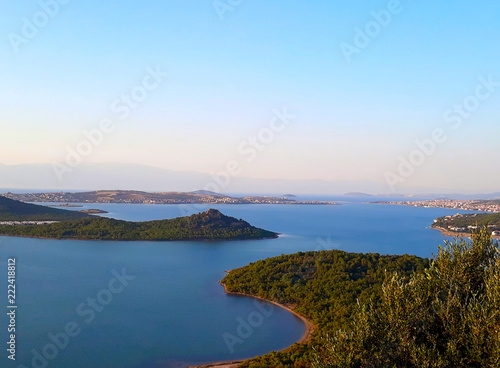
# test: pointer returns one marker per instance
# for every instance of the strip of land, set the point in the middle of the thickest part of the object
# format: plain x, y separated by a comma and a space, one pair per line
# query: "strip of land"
467, 205
133, 196
447, 232
228, 364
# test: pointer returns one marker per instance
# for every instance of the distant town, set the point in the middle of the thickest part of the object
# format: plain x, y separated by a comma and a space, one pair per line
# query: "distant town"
464, 224
468, 205
123, 196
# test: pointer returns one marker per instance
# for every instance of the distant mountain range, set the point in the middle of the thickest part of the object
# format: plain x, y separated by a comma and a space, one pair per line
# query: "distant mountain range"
93, 176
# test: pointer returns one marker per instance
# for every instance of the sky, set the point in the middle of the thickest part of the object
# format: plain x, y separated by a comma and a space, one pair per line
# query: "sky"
399, 92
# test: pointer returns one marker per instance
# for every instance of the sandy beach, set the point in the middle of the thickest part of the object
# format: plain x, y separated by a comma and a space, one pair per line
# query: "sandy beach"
447, 232
309, 329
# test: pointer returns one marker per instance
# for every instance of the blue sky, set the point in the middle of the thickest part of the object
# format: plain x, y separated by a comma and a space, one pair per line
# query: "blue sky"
353, 121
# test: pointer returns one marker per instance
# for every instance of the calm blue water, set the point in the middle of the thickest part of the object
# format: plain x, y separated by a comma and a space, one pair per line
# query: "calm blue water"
174, 312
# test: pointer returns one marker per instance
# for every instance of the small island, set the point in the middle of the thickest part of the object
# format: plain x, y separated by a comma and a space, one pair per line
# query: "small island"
93, 211
28, 220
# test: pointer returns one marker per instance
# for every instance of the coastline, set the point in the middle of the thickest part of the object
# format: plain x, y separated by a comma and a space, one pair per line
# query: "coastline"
309, 329
455, 234
136, 240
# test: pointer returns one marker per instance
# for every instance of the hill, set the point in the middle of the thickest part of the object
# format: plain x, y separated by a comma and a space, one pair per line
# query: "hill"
357, 194
466, 223
209, 225
207, 192
11, 210
321, 286
377, 311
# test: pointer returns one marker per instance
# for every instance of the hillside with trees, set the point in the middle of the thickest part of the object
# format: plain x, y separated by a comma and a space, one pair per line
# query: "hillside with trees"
11, 210
465, 223
209, 225
322, 286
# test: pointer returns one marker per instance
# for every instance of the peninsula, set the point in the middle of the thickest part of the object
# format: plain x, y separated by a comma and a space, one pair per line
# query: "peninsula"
12, 210
321, 288
370, 310
28, 220
465, 224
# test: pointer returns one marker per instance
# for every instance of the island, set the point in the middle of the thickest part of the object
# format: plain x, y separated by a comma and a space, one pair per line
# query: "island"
357, 194
93, 211
465, 224
134, 196
29, 220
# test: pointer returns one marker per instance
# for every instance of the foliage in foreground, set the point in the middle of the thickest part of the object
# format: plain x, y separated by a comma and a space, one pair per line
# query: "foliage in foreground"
386, 311
209, 225
447, 316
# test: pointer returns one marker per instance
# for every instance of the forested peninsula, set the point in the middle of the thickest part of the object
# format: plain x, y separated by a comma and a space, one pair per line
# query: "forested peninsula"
376, 311
28, 220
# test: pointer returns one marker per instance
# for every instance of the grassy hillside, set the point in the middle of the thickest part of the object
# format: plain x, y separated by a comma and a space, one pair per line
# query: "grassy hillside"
11, 210
209, 225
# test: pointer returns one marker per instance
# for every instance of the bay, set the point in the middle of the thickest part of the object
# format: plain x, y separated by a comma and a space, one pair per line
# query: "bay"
173, 312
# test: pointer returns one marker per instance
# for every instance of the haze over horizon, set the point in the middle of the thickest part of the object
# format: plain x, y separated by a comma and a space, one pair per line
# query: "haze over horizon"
109, 176
386, 97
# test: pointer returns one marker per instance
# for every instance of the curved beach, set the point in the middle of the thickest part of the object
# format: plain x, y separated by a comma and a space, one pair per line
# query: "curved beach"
309, 329
447, 232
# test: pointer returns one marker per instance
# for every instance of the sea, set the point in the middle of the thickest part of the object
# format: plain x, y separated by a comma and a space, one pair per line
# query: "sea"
160, 305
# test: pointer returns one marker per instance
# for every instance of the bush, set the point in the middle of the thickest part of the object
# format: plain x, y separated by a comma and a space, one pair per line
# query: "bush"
445, 316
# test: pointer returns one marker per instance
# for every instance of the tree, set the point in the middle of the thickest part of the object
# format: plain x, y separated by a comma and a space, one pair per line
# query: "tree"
445, 316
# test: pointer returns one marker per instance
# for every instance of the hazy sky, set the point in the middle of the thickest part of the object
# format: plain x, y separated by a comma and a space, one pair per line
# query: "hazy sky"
362, 87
